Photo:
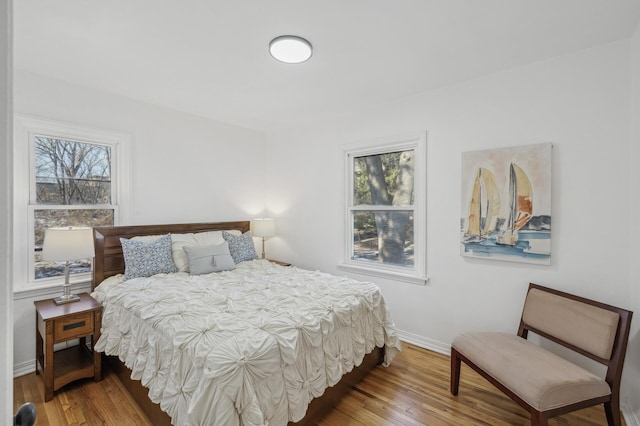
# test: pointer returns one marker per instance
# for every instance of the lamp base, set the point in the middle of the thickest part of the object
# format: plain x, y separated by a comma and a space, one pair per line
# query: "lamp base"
66, 299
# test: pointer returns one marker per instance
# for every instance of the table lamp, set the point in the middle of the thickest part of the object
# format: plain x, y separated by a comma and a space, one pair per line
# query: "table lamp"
67, 245
263, 227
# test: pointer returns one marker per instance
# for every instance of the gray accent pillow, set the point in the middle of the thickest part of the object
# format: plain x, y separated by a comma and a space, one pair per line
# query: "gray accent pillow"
208, 259
145, 259
240, 246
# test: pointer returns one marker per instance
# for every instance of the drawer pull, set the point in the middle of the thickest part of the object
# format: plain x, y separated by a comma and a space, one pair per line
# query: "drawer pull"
73, 325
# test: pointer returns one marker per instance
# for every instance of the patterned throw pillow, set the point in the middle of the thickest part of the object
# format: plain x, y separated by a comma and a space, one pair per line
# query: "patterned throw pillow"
146, 259
240, 246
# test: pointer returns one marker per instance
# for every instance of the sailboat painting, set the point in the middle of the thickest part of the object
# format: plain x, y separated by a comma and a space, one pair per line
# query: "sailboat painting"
506, 204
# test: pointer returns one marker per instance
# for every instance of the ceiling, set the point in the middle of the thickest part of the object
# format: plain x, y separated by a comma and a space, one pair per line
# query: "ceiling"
210, 57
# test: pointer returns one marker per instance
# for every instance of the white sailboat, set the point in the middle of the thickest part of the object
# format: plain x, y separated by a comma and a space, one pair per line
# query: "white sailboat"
484, 208
520, 206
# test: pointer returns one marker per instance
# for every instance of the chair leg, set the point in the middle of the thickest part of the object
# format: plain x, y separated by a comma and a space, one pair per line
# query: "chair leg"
612, 410
538, 419
455, 372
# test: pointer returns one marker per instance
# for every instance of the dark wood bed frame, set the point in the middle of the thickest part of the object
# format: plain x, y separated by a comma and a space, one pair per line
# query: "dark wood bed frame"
109, 261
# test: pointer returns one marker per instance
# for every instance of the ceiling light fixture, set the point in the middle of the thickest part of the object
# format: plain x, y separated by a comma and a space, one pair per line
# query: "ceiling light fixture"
290, 49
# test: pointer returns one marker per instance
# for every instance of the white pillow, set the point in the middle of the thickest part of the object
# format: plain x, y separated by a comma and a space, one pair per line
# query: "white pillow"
178, 242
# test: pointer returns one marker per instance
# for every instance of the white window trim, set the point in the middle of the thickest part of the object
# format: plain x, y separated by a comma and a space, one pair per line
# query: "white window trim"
25, 129
417, 274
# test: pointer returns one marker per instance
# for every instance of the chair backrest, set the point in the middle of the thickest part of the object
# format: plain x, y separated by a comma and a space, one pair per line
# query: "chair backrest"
591, 328
581, 324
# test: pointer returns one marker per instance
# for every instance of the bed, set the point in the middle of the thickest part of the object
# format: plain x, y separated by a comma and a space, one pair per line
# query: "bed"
259, 344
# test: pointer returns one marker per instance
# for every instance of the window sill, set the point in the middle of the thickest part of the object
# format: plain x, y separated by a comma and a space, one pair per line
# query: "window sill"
391, 275
52, 290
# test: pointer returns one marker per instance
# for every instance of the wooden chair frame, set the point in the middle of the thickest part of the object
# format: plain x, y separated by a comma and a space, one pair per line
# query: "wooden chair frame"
614, 366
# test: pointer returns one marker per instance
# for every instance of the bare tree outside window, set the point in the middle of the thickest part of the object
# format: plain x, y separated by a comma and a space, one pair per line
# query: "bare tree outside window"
70, 172
382, 211
73, 186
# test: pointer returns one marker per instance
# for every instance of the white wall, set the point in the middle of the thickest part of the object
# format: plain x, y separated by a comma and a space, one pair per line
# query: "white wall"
184, 168
579, 102
6, 283
632, 366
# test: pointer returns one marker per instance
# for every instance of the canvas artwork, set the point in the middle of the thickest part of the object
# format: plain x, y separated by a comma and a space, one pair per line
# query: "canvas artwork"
506, 204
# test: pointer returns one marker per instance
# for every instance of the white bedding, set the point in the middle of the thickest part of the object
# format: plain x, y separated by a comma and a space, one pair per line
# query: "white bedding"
250, 346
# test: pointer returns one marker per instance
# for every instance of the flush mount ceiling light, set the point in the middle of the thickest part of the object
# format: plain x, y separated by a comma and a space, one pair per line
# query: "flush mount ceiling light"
290, 49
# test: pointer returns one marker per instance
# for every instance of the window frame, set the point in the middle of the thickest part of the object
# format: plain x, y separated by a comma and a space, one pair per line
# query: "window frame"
418, 273
26, 129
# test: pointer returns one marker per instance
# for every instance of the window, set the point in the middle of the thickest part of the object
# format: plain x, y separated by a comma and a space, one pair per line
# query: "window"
386, 210
72, 176
72, 187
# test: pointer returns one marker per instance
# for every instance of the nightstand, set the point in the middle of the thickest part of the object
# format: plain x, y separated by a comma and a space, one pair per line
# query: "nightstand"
277, 262
60, 323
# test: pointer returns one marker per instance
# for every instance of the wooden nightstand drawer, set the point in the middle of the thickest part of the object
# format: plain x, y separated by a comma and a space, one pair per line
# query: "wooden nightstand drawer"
73, 326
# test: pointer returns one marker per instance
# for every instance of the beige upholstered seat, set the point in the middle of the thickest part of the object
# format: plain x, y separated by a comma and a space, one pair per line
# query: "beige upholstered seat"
542, 379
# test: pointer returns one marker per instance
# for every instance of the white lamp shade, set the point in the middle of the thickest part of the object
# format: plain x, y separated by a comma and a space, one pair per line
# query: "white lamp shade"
263, 227
66, 244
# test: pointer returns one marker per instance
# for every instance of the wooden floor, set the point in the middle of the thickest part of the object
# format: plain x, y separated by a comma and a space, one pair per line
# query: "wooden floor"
414, 390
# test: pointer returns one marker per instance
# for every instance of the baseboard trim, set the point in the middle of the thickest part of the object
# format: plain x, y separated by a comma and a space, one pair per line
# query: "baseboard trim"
24, 368
630, 417
423, 342
28, 367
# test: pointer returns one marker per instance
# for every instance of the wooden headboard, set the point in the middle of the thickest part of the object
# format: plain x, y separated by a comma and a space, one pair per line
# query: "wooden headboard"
109, 259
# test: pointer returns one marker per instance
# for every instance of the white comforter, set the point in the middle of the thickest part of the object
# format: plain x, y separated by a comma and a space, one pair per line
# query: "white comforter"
250, 346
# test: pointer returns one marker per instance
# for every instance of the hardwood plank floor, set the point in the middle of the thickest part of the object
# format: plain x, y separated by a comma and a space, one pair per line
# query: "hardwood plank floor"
414, 390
